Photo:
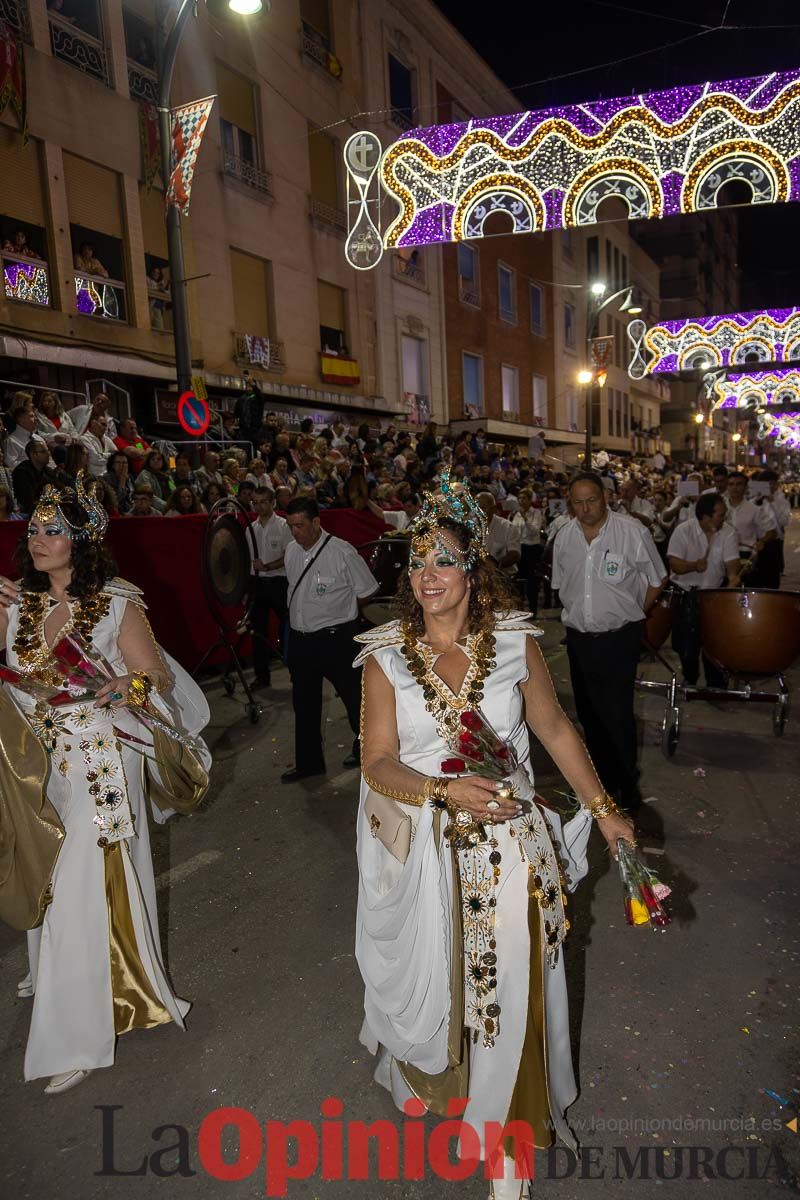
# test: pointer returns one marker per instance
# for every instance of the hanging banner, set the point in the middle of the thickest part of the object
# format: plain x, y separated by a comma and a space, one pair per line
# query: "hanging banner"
149, 142
188, 126
12, 76
601, 351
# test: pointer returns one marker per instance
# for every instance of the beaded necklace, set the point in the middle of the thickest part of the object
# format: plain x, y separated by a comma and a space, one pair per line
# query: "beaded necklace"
30, 644
444, 705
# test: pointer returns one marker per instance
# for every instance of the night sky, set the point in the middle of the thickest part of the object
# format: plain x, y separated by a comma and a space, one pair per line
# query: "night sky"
582, 37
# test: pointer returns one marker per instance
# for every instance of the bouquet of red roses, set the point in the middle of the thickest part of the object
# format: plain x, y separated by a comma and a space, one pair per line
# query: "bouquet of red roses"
481, 751
643, 892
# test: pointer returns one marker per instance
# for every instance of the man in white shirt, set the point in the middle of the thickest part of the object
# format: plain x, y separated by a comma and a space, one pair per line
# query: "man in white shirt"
328, 583
608, 573
634, 505
528, 520
502, 539
702, 552
755, 527
272, 535
81, 414
99, 445
773, 568
24, 425
682, 507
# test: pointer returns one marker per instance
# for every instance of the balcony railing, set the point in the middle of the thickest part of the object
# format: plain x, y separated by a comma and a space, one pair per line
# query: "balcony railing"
246, 173
468, 292
256, 350
411, 269
511, 414
142, 82
15, 14
96, 296
26, 280
79, 49
327, 218
402, 118
316, 47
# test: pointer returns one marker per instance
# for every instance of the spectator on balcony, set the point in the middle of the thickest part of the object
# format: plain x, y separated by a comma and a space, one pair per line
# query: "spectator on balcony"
157, 287
82, 414
118, 481
214, 492
24, 426
209, 472
155, 475
31, 475
144, 54
7, 512
132, 444
183, 473
184, 502
18, 246
53, 425
98, 445
143, 502
76, 460
87, 261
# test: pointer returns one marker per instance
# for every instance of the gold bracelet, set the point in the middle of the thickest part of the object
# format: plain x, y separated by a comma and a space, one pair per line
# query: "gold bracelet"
404, 797
602, 806
436, 790
139, 689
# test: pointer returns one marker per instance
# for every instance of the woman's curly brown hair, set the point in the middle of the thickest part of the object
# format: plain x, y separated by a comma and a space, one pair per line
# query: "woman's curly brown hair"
92, 564
490, 593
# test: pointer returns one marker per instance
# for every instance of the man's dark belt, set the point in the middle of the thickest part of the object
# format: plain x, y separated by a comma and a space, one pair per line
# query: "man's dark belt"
327, 631
604, 633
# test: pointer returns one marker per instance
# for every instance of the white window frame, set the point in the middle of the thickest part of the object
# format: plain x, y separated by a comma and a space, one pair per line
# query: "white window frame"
479, 358
538, 330
466, 294
509, 317
570, 345
542, 416
514, 375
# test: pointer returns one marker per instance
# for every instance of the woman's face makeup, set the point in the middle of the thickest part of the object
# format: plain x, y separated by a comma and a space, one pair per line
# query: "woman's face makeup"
50, 546
438, 576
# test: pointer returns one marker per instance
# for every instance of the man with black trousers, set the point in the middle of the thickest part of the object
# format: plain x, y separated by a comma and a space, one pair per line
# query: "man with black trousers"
272, 537
328, 581
608, 573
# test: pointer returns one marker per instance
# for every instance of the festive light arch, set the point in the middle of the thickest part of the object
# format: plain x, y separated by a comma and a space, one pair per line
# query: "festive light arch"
784, 428
661, 153
757, 390
768, 335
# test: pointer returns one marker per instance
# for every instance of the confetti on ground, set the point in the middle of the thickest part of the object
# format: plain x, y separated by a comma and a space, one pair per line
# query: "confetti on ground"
782, 1100
699, 772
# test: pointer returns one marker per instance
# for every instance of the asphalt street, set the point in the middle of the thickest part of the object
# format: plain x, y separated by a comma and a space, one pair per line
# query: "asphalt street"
685, 1042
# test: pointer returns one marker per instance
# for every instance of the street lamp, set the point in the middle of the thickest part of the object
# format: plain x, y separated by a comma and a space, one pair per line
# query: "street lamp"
166, 54
595, 305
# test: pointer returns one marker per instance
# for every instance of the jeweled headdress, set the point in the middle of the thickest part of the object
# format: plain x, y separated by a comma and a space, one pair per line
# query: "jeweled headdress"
49, 510
452, 502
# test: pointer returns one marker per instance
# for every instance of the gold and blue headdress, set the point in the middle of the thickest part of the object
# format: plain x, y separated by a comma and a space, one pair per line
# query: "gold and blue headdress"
452, 502
49, 510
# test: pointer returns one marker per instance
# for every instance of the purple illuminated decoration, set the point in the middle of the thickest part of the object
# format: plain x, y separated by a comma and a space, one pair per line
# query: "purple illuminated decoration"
660, 153
26, 281
696, 343
758, 390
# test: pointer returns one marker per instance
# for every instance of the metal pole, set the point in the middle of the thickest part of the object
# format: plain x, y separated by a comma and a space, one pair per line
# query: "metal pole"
592, 320
167, 53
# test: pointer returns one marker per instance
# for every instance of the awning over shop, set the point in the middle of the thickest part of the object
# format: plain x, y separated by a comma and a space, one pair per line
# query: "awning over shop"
79, 356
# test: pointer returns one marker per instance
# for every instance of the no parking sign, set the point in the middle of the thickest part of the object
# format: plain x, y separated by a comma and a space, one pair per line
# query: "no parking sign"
193, 414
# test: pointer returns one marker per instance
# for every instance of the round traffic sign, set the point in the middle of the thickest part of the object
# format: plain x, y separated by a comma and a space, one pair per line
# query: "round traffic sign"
193, 414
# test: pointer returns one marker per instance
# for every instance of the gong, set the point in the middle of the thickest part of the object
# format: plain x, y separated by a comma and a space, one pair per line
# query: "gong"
226, 562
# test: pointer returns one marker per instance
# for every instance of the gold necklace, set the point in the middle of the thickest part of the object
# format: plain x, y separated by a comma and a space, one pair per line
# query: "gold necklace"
30, 643
444, 705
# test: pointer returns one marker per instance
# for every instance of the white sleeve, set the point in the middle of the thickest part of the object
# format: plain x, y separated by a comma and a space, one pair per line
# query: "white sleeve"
677, 543
765, 519
362, 579
730, 544
556, 575
649, 559
514, 538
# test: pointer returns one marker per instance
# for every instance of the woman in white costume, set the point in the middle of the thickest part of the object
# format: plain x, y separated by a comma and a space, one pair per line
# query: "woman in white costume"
458, 939
75, 862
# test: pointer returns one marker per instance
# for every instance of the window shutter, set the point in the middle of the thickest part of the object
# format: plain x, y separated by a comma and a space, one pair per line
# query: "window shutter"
331, 305
250, 295
236, 99
22, 181
323, 157
92, 196
154, 224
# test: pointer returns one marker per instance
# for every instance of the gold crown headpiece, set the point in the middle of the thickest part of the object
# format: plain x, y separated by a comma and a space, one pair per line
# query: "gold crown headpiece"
49, 510
452, 502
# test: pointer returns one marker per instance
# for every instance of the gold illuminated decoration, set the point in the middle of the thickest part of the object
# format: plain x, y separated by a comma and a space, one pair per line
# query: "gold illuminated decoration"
742, 340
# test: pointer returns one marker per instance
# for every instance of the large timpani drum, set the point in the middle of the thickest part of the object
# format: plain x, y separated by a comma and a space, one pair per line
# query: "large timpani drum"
387, 559
661, 618
751, 632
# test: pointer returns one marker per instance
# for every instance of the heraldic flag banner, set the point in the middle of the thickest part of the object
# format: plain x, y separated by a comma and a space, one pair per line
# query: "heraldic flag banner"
188, 126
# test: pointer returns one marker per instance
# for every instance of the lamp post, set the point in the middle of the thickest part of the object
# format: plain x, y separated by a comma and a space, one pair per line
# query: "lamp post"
166, 54
596, 302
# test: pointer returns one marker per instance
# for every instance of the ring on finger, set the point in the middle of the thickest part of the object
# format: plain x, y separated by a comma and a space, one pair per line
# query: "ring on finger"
492, 805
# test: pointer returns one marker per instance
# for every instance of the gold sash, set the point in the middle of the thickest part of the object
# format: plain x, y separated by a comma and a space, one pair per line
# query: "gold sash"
31, 832
182, 780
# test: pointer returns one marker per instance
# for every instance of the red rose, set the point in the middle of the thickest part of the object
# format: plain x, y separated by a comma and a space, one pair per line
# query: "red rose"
471, 720
453, 766
502, 752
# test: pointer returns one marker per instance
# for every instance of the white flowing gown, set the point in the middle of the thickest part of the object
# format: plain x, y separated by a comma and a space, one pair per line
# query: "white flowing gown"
72, 1025
403, 936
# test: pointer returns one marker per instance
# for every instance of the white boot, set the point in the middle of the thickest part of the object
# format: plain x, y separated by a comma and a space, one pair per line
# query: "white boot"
65, 1081
509, 1187
25, 987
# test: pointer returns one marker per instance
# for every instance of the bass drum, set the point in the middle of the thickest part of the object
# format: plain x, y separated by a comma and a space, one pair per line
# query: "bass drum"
661, 617
751, 632
387, 558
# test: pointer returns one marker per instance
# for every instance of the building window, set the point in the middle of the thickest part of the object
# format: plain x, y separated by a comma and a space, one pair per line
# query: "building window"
409, 264
469, 288
507, 293
509, 380
241, 157
332, 323
572, 410
95, 214
626, 415
536, 296
415, 379
593, 258
569, 326
251, 280
23, 236
401, 93
540, 399
449, 111
77, 38
472, 379
323, 162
